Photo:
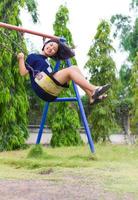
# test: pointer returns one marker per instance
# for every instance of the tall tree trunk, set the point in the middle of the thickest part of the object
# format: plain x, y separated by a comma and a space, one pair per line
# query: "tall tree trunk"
129, 138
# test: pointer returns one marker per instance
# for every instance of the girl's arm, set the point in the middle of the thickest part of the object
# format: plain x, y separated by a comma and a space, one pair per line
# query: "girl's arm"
22, 69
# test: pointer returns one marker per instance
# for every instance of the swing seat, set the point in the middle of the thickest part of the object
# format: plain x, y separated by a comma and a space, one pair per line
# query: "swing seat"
47, 84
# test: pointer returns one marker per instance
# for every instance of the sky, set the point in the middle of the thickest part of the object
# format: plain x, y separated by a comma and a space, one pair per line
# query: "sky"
84, 17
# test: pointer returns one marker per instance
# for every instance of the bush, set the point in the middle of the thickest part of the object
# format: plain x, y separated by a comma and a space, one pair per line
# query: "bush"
36, 151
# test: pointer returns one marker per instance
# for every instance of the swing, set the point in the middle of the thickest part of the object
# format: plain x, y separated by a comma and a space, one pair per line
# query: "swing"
77, 98
47, 84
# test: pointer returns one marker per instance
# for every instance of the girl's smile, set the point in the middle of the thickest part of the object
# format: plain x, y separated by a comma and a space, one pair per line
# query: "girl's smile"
51, 48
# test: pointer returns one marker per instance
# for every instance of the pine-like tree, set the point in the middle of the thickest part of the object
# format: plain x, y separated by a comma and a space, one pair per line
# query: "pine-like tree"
102, 70
134, 89
13, 99
65, 121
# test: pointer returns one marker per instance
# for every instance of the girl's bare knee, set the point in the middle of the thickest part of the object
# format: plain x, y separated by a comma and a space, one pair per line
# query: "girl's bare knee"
74, 66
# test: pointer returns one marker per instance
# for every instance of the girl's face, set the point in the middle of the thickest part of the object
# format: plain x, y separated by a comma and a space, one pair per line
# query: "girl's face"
51, 49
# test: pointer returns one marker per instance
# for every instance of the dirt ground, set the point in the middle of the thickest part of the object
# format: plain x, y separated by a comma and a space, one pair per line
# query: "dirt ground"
70, 187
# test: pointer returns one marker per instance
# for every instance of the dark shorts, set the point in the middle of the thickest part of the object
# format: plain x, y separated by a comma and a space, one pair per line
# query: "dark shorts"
65, 85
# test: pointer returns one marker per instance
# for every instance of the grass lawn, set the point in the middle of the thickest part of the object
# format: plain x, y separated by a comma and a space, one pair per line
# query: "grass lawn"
114, 167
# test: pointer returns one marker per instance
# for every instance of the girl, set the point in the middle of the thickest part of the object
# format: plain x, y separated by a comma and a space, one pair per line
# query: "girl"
47, 84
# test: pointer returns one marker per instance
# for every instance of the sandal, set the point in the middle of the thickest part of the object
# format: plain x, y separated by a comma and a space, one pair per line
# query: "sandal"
101, 90
99, 100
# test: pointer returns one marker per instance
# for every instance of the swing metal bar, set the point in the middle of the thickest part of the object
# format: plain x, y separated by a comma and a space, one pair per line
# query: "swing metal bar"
24, 30
65, 99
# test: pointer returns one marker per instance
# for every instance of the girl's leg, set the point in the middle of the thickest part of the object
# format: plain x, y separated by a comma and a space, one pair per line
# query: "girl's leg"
71, 73
89, 94
87, 91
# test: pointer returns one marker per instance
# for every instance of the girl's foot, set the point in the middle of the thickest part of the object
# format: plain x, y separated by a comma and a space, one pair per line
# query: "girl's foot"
100, 90
98, 100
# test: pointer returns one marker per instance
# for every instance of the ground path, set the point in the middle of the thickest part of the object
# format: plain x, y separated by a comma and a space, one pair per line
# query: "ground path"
70, 187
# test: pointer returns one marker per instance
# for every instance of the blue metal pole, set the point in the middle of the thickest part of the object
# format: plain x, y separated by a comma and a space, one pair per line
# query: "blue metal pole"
65, 99
42, 123
45, 111
57, 66
84, 119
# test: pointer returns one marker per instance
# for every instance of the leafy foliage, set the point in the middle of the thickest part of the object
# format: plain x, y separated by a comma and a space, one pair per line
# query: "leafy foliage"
134, 4
32, 8
35, 151
129, 42
60, 25
125, 102
134, 89
122, 26
13, 99
102, 70
65, 121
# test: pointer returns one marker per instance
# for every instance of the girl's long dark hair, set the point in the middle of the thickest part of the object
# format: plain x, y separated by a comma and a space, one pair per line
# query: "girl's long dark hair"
64, 52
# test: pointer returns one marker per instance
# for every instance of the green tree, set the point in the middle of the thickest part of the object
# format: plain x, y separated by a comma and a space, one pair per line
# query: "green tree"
102, 70
65, 121
134, 4
13, 99
134, 89
124, 105
127, 32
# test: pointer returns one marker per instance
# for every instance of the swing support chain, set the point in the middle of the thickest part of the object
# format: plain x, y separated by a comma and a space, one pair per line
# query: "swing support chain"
5, 46
9, 49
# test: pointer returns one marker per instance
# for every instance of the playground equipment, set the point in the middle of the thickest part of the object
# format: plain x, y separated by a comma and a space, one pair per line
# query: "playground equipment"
77, 98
